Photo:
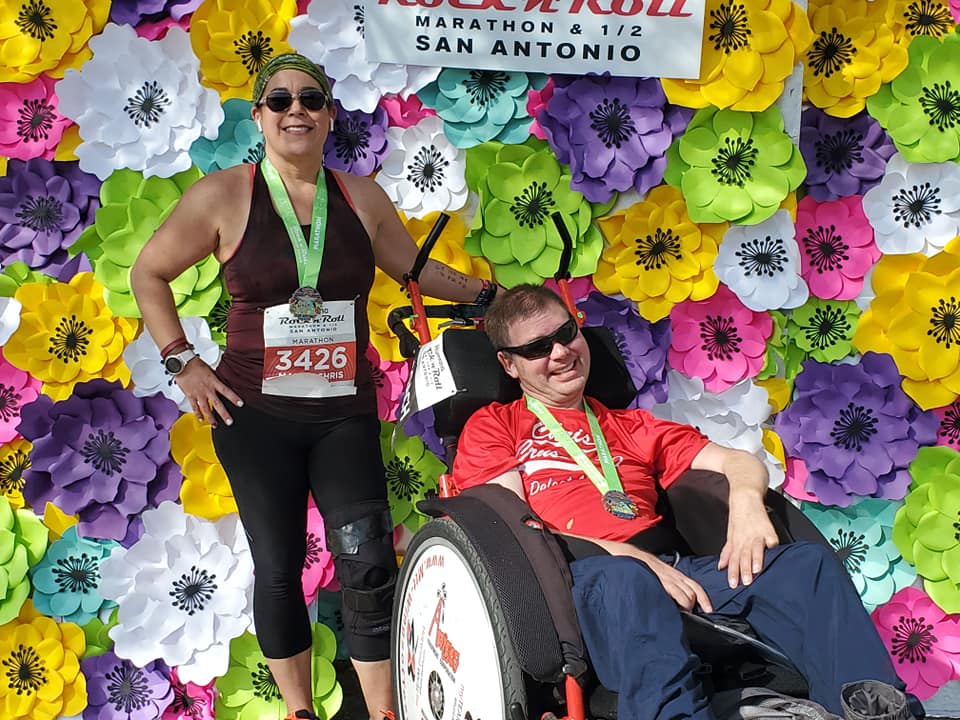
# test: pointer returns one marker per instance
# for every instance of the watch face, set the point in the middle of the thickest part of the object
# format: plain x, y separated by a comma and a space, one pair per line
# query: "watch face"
173, 365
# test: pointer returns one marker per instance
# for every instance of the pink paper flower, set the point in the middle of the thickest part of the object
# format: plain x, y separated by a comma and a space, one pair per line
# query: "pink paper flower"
157, 30
923, 641
17, 388
837, 246
318, 570
190, 701
795, 480
404, 113
580, 287
30, 122
390, 378
719, 339
949, 431
537, 101
955, 10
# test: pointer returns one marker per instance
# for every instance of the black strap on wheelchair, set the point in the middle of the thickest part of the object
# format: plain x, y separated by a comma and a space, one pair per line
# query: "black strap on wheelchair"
530, 573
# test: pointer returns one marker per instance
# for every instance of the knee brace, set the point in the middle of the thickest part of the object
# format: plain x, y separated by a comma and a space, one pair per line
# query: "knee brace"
367, 570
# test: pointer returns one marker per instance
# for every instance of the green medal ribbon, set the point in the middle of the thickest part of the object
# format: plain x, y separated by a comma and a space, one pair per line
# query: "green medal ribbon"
309, 257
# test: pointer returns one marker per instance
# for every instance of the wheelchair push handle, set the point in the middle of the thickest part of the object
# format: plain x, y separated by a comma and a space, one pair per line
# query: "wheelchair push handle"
460, 313
412, 281
562, 276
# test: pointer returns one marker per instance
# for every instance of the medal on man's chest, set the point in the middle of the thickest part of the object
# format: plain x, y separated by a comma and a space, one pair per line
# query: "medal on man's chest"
306, 302
620, 505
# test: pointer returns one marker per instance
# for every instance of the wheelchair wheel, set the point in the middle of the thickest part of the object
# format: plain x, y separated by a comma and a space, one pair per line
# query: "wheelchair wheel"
452, 654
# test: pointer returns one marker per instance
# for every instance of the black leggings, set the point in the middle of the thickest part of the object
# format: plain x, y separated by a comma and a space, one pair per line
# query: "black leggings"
271, 464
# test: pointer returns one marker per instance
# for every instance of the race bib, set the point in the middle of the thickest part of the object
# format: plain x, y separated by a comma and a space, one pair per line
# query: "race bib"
310, 356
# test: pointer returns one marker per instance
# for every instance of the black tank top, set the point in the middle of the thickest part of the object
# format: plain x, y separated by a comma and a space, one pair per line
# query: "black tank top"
262, 272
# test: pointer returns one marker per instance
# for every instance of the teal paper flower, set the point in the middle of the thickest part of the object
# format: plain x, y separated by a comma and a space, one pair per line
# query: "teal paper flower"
520, 187
734, 166
66, 582
927, 527
920, 108
481, 105
411, 470
238, 140
23, 540
18, 273
862, 536
823, 329
132, 208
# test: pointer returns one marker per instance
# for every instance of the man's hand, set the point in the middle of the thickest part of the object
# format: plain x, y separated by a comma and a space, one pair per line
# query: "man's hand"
749, 534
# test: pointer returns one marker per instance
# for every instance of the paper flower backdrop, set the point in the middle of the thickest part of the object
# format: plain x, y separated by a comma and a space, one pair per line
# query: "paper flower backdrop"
190, 701
14, 460
117, 687
30, 123
318, 569
17, 389
24, 540
411, 471
237, 140
358, 141
404, 112
821, 330
133, 12
206, 491
390, 378
949, 431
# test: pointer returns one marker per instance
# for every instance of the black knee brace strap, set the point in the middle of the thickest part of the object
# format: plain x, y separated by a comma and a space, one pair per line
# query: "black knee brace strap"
359, 547
347, 539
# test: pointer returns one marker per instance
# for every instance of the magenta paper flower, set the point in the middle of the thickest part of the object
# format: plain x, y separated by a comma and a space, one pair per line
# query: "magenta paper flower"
190, 701
580, 287
537, 102
404, 112
157, 30
318, 571
955, 10
390, 378
30, 123
837, 247
719, 340
17, 388
795, 480
949, 431
923, 641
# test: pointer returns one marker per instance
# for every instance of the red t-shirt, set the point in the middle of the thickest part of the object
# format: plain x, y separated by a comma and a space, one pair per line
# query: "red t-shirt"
498, 438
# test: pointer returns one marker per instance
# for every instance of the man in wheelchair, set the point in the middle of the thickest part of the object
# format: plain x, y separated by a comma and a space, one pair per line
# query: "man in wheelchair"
590, 473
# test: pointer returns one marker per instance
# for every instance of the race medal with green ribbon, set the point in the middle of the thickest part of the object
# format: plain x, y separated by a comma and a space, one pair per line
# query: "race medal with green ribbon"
615, 500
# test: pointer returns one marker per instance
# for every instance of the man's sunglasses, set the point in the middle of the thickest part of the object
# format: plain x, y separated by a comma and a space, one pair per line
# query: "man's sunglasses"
310, 99
541, 347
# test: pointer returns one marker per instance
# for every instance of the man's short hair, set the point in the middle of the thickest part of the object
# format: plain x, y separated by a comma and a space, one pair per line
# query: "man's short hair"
517, 303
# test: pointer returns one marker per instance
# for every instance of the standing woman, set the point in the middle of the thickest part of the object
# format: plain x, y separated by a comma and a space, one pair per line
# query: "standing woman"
292, 403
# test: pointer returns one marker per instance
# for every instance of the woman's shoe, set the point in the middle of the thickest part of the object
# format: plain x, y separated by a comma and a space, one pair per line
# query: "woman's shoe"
302, 715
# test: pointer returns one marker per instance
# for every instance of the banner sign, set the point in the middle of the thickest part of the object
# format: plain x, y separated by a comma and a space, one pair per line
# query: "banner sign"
650, 38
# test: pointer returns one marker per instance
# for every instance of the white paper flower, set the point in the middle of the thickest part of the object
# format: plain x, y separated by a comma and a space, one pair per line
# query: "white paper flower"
9, 318
139, 103
331, 33
423, 172
916, 207
732, 418
185, 590
142, 356
761, 264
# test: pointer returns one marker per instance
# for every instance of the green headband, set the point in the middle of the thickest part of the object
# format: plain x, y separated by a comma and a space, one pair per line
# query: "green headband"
288, 61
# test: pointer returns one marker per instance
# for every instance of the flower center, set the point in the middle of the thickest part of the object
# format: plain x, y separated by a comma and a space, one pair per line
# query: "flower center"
945, 322
720, 337
253, 49
351, 139
916, 206
69, 340
762, 257
840, 150
193, 590
826, 250
949, 427
941, 103
928, 17
185, 704
855, 426
956, 526
485, 86
41, 214
35, 121
655, 251
913, 640
314, 548
218, 316
148, 104
34, 20
531, 207
830, 52
612, 122
11, 472
264, 686
851, 549
127, 688
9, 402
77, 574
358, 19
257, 153
734, 161
826, 328
732, 27
403, 478
25, 670
105, 452
426, 171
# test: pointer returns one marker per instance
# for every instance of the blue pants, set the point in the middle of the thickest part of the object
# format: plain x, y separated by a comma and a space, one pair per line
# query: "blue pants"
803, 603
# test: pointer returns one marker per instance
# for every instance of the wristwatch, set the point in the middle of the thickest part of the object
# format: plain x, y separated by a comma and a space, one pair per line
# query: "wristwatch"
176, 362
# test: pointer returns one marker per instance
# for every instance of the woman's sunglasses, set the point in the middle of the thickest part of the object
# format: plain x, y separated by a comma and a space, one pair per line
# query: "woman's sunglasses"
310, 99
541, 347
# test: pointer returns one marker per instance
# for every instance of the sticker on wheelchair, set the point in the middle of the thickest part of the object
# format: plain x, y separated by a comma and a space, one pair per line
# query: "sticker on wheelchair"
448, 667
431, 381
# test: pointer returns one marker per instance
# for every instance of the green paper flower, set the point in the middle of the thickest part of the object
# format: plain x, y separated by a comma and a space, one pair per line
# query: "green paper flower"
132, 208
23, 541
217, 319
238, 140
411, 470
734, 166
249, 692
927, 527
823, 329
783, 358
520, 187
97, 633
18, 273
920, 108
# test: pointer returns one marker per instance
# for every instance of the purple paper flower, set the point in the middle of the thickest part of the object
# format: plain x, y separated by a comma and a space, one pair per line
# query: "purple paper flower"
119, 690
44, 206
613, 132
133, 12
421, 425
642, 344
855, 429
844, 156
103, 454
358, 141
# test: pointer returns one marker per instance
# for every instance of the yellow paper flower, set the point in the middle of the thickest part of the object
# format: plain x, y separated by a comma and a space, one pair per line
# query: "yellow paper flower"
853, 53
917, 322
205, 492
47, 36
41, 663
778, 390
748, 50
387, 294
656, 255
911, 18
57, 521
14, 459
67, 335
235, 38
